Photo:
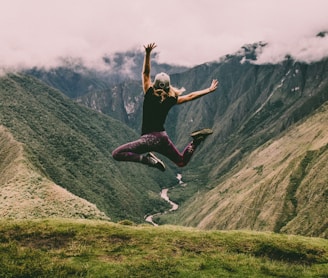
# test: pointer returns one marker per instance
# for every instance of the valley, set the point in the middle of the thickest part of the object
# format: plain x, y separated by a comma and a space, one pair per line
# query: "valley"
257, 171
149, 218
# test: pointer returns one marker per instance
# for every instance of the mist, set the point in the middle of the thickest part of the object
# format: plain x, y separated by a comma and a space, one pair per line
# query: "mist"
38, 33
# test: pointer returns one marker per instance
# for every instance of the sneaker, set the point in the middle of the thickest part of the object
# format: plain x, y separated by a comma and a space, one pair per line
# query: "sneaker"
155, 162
200, 135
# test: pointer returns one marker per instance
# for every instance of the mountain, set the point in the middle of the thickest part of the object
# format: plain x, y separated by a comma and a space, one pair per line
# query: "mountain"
254, 105
56, 142
280, 186
257, 104
263, 168
113, 88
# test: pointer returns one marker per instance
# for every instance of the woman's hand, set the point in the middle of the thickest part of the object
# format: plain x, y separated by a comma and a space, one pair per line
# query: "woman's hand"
214, 85
146, 81
149, 47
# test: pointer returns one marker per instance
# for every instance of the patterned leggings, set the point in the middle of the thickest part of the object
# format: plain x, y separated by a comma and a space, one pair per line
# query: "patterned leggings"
158, 142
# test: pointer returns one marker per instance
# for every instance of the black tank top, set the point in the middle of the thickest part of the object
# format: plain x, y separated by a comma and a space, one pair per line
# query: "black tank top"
155, 111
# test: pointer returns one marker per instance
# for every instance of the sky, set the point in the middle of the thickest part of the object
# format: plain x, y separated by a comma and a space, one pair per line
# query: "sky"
187, 32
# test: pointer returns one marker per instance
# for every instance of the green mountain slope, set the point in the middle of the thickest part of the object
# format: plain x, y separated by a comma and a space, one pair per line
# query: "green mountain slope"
253, 104
280, 186
25, 193
71, 146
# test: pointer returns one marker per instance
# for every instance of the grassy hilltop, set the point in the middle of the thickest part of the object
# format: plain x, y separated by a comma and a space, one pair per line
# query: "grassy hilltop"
89, 248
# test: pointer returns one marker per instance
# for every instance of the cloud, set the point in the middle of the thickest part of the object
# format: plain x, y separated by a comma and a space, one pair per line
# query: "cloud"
42, 32
308, 49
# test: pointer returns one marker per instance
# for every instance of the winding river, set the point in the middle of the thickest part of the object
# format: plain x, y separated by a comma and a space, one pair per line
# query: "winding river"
167, 199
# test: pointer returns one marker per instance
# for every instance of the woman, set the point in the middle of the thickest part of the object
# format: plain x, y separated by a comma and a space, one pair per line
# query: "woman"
159, 97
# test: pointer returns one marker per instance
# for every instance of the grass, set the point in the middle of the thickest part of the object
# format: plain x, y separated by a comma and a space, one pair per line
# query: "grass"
76, 248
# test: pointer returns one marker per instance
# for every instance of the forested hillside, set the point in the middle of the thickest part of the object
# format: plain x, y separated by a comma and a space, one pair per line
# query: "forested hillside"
71, 146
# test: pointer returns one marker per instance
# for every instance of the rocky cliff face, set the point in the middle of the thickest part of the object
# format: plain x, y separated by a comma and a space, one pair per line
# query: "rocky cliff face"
253, 104
122, 102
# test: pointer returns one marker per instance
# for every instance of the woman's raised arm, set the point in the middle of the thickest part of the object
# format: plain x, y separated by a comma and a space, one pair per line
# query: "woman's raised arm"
146, 81
197, 94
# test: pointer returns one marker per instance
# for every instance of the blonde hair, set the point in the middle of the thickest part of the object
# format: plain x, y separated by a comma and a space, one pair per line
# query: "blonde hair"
175, 92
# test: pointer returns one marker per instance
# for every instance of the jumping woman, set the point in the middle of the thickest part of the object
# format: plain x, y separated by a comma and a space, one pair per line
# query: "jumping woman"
159, 97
